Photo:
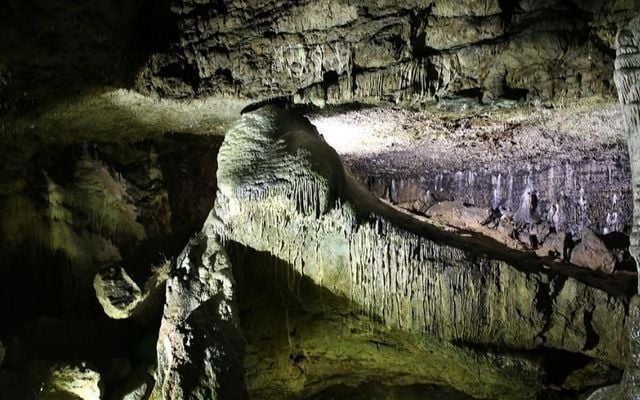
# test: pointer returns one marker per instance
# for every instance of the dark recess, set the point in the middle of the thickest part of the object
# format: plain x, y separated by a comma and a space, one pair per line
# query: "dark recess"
329, 79
418, 20
508, 7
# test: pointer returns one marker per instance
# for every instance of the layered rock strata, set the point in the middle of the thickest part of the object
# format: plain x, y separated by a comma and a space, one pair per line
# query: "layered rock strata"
330, 51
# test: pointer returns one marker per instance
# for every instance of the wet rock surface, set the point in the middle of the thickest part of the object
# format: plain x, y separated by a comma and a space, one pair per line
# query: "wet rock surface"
264, 205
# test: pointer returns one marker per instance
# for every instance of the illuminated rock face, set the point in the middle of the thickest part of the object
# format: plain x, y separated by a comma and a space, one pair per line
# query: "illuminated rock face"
627, 78
328, 51
283, 191
200, 349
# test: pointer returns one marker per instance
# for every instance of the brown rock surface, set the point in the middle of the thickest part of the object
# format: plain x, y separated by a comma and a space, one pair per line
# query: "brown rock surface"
592, 253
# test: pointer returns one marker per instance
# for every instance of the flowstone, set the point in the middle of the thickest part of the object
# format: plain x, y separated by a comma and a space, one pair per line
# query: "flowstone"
283, 191
627, 79
200, 348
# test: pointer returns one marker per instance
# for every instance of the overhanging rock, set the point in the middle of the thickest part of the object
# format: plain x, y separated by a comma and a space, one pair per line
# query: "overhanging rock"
283, 190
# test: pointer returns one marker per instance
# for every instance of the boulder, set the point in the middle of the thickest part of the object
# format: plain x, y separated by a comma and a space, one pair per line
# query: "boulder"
137, 387
592, 253
117, 293
554, 245
121, 297
460, 215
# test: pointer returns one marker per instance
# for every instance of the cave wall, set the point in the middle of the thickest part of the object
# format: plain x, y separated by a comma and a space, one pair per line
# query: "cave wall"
325, 51
70, 210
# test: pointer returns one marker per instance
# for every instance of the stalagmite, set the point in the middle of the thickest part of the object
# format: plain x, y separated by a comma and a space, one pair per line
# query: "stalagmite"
627, 78
200, 348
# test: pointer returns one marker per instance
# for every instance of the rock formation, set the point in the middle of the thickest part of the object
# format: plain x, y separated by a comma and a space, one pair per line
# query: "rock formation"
301, 284
592, 253
331, 51
200, 348
283, 190
627, 81
320, 51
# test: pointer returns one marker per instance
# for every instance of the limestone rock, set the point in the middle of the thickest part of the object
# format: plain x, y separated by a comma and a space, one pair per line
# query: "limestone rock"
444, 33
73, 381
121, 297
626, 77
283, 191
200, 348
606, 393
327, 52
459, 214
117, 293
137, 387
554, 245
592, 253
85, 206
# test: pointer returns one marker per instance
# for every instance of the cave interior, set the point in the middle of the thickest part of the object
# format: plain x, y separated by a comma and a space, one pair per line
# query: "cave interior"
319, 199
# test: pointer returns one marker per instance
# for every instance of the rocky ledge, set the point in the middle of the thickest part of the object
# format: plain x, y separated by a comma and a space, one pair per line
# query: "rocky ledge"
285, 202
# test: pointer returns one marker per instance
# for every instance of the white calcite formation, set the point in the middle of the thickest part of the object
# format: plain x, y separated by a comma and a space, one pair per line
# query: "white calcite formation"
283, 190
627, 78
200, 348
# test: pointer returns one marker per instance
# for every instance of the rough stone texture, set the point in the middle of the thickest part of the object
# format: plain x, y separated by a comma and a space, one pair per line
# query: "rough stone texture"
459, 214
627, 80
282, 190
555, 245
63, 381
120, 296
566, 166
567, 196
330, 51
592, 253
200, 347
137, 387
80, 207
117, 293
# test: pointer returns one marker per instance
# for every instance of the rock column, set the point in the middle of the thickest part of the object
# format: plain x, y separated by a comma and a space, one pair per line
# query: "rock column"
627, 79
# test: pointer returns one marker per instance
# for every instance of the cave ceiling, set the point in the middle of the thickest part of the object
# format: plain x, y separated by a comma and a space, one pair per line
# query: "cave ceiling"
312, 52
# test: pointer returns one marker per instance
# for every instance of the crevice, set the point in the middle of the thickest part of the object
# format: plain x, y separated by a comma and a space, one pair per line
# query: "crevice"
545, 296
517, 94
592, 336
417, 36
559, 364
509, 8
